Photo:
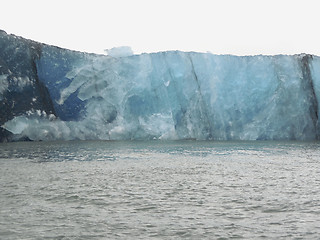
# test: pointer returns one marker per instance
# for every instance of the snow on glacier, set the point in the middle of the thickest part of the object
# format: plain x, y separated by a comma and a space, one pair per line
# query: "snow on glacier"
175, 95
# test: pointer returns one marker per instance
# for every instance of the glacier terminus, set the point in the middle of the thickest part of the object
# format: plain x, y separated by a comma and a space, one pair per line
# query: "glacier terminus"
50, 93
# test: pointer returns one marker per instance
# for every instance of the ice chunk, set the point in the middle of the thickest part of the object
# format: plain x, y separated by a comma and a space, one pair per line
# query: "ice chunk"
123, 51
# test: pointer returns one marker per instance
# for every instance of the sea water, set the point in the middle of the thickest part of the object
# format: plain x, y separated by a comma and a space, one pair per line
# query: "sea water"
160, 190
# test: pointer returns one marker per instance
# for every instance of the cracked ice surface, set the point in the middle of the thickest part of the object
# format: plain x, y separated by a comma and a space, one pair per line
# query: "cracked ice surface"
178, 95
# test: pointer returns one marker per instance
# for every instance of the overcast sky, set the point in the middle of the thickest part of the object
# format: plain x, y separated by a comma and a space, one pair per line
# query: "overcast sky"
240, 27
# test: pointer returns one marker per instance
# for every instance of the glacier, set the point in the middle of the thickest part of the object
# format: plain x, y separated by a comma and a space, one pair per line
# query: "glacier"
50, 93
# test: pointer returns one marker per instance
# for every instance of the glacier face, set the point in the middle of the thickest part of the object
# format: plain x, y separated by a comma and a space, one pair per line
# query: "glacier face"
166, 95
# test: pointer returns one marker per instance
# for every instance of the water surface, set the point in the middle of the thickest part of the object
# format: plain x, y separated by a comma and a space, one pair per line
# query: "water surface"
159, 190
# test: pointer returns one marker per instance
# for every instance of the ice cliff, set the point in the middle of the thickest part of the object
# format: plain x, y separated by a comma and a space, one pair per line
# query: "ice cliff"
49, 93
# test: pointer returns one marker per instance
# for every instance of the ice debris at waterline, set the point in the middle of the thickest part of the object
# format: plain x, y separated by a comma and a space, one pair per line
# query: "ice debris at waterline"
49, 93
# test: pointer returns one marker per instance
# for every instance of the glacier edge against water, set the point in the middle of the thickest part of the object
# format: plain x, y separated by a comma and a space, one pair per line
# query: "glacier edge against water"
167, 95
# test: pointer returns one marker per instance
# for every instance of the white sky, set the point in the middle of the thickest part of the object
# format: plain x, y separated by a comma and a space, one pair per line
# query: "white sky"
240, 27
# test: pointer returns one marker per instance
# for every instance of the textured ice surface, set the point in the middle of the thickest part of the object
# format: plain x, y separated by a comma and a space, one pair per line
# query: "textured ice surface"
170, 95
3, 84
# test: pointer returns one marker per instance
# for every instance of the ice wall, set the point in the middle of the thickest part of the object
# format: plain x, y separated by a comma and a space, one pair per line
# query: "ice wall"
20, 88
168, 95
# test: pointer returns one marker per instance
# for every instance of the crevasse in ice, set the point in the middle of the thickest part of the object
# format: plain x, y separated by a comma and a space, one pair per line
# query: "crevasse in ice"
169, 95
